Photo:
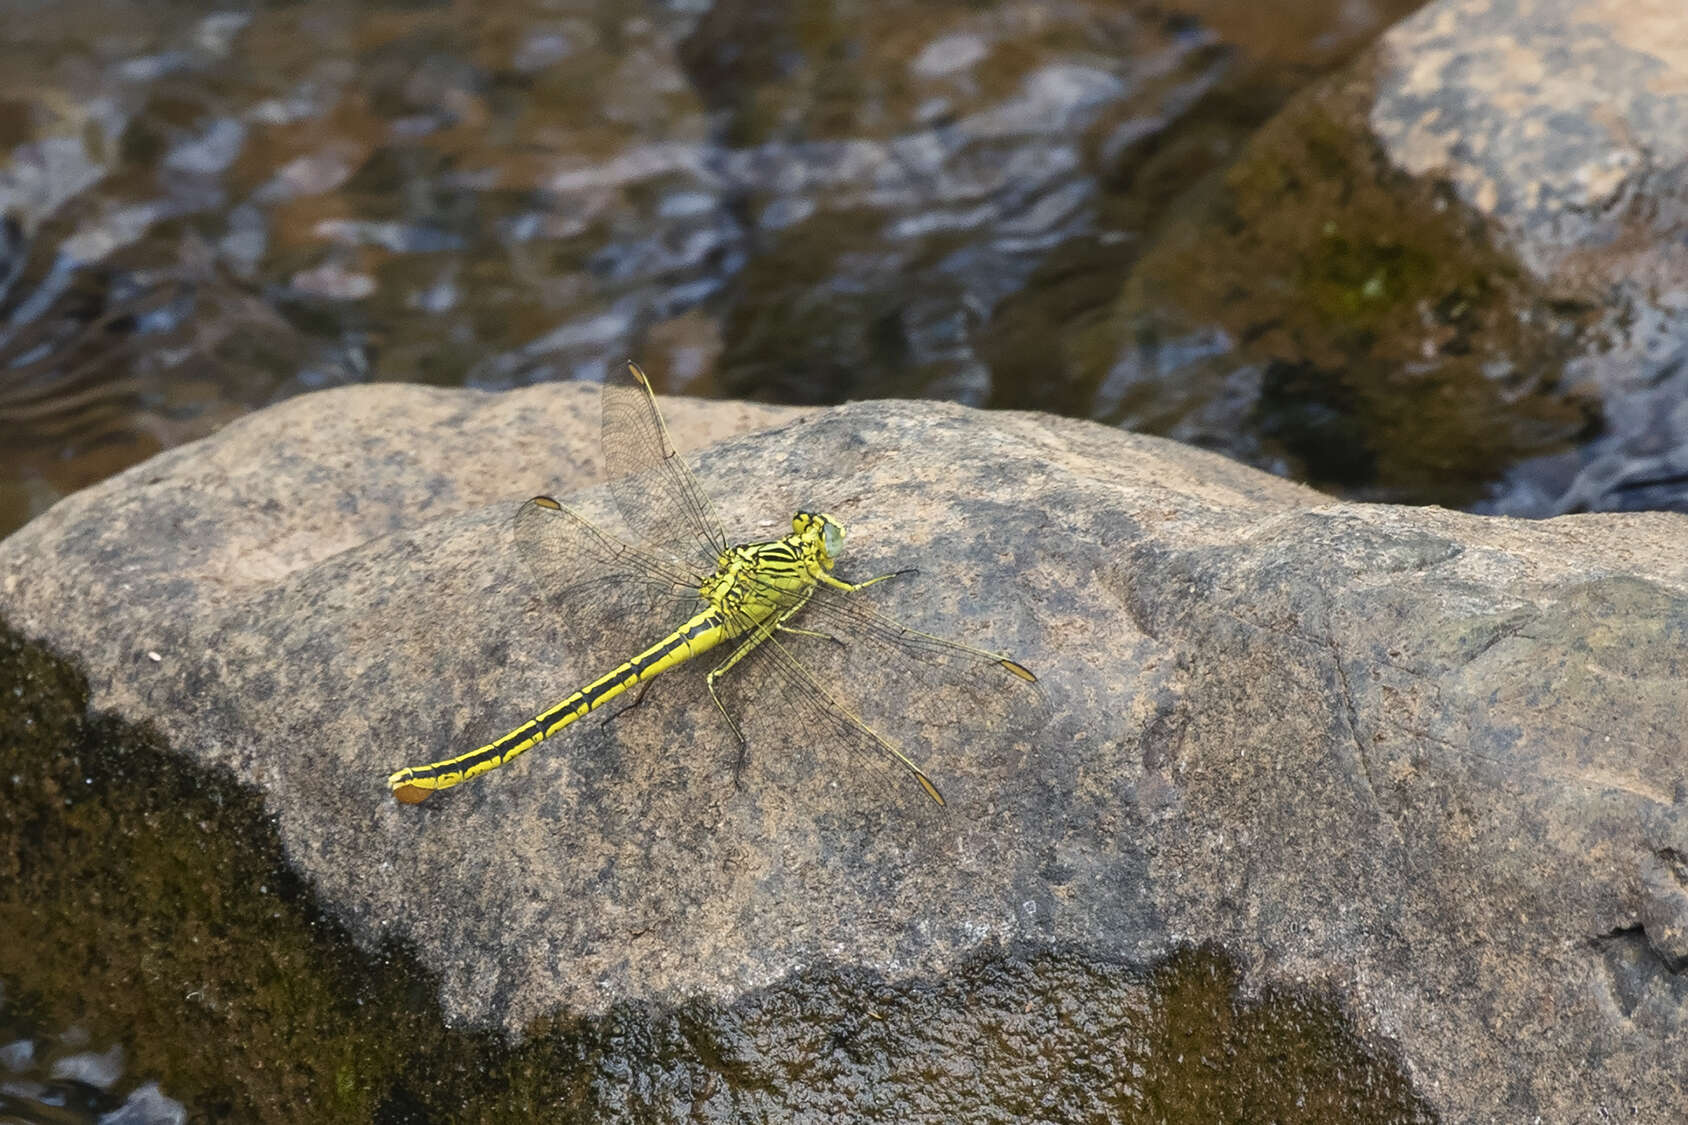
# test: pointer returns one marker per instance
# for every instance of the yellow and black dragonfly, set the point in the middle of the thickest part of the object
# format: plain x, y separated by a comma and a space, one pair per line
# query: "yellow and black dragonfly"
757, 602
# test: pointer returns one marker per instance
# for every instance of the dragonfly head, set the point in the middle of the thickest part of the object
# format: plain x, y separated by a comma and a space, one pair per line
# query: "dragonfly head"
827, 532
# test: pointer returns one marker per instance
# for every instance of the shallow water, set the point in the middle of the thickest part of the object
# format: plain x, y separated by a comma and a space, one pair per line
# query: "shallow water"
203, 210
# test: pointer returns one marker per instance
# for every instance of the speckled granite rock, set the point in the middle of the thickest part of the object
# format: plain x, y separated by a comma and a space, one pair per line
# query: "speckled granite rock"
1428, 762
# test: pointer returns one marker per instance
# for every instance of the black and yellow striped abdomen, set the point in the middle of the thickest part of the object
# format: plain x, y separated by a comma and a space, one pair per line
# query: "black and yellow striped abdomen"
702, 633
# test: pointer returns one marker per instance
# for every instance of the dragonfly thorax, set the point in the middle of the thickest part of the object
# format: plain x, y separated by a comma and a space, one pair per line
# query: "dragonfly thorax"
757, 581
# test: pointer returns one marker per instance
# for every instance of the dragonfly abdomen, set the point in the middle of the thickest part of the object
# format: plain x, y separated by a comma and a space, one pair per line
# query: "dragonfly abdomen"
698, 635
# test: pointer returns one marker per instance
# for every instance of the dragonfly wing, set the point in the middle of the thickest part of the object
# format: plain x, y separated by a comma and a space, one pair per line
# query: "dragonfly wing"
851, 615
783, 705
655, 491
845, 676
600, 586
980, 696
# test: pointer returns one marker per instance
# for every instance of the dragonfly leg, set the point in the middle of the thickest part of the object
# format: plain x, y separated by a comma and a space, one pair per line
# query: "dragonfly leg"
853, 587
796, 632
742, 758
637, 700
745, 648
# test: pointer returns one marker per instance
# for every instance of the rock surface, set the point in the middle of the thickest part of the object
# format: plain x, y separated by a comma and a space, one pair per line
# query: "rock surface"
1552, 116
1429, 762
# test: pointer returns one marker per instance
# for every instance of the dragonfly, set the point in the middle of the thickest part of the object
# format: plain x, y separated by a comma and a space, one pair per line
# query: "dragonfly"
755, 602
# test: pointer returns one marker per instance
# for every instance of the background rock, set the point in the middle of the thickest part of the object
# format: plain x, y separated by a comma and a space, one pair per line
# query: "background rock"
1449, 274
1565, 124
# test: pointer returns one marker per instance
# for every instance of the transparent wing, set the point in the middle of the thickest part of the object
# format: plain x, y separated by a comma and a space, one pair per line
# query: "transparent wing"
851, 617
893, 702
814, 714
655, 491
603, 591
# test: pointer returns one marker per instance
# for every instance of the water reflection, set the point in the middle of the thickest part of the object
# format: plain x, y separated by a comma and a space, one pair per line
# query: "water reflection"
208, 210
57, 1080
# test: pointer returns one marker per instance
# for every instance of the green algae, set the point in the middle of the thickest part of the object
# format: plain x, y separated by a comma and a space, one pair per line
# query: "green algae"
1011, 1035
1402, 354
148, 902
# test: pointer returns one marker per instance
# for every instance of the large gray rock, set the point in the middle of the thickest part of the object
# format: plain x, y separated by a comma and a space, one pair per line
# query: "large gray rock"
1429, 762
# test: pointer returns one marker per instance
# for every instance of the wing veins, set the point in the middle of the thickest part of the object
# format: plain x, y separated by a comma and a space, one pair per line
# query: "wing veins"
649, 480
542, 529
805, 691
